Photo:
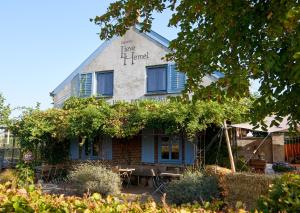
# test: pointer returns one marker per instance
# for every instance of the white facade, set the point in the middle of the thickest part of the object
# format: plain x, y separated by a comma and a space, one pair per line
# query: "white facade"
128, 58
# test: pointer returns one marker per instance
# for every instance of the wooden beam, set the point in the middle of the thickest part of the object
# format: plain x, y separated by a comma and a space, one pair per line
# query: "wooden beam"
229, 148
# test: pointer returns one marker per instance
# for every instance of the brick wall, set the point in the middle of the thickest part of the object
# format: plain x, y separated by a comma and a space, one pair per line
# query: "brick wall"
127, 151
246, 147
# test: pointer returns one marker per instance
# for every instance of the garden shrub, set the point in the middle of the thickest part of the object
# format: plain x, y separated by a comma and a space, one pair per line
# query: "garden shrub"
33, 200
88, 177
282, 167
284, 195
25, 174
192, 187
244, 188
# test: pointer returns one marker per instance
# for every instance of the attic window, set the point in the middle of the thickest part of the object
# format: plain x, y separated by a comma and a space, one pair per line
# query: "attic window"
105, 83
157, 79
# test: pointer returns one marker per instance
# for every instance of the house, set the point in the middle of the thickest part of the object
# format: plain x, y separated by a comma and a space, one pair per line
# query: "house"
9, 149
5, 136
130, 68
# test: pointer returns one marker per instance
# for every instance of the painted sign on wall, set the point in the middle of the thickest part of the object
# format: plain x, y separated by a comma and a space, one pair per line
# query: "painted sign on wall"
129, 53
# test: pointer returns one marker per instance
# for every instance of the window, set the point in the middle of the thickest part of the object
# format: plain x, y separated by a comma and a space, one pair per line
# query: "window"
105, 83
92, 149
169, 149
165, 149
157, 79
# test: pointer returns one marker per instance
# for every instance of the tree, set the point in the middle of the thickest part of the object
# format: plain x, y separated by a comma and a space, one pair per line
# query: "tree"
243, 39
44, 133
4, 112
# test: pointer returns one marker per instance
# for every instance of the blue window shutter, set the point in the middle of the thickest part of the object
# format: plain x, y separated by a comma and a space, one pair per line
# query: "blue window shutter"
86, 84
74, 149
148, 149
176, 79
105, 83
107, 148
189, 153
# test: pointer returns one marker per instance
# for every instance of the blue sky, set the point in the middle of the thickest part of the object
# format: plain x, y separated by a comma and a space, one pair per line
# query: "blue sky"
42, 42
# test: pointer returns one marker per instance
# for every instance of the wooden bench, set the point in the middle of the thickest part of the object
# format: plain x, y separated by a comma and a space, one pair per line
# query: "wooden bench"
258, 165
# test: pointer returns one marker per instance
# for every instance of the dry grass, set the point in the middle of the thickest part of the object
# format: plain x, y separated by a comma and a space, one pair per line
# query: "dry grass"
7, 175
245, 187
240, 187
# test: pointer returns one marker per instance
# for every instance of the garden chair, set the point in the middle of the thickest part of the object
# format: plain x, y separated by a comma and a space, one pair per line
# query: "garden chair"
158, 183
46, 172
58, 174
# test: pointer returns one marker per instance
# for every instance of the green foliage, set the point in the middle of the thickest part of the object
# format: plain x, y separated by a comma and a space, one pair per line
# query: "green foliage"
282, 167
245, 40
25, 174
4, 112
241, 165
38, 126
33, 200
87, 117
88, 177
43, 133
192, 187
85, 122
284, 195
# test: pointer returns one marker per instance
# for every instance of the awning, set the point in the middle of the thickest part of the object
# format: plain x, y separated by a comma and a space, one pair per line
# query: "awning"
283, 126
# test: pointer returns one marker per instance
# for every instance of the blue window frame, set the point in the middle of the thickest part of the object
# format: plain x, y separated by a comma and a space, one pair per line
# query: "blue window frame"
157, 79
94, 149
105, 81
169, 149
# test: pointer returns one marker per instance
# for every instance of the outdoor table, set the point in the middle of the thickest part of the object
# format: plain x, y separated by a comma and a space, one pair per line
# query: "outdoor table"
125, 174
168, 174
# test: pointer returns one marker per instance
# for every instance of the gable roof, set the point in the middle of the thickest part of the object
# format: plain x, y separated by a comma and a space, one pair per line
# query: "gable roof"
150, 35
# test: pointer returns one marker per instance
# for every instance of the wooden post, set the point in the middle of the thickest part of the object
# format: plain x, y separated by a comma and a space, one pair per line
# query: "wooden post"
13, 152
229, 148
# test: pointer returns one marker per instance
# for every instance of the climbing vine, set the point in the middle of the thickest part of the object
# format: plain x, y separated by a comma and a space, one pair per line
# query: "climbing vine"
88, 117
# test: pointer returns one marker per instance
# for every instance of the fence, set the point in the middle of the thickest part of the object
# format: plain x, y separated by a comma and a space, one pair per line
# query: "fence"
292, 148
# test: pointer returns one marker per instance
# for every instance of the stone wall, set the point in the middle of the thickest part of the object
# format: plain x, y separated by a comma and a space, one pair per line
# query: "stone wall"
246, 147
272, 149
278, 147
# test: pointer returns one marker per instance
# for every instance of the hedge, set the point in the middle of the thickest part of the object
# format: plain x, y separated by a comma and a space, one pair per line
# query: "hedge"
245, 187
32, 200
